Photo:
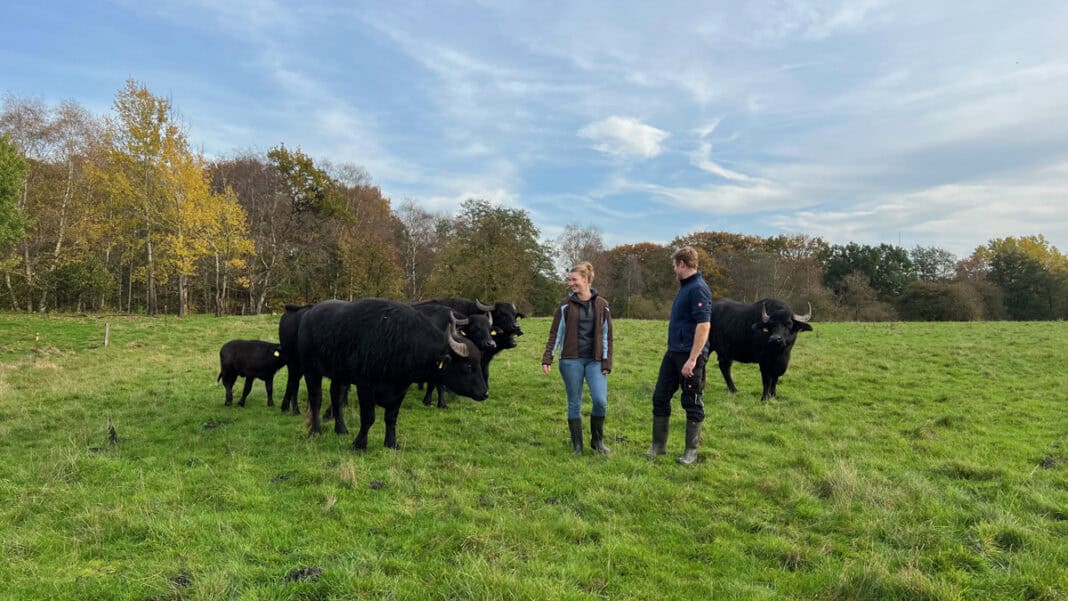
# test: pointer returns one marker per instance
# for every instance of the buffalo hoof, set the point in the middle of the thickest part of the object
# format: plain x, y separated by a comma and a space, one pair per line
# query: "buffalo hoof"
341, 430
360, 446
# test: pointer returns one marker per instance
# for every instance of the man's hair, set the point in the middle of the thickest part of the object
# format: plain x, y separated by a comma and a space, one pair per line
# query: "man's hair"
584, 269
687, 256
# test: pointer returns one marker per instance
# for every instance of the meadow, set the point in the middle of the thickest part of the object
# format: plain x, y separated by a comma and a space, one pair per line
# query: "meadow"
900, 461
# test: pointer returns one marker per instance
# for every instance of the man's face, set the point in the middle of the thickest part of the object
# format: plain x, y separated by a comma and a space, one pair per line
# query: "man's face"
680, 270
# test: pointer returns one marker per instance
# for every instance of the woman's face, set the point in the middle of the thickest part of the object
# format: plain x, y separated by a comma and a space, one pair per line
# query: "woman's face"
577, 282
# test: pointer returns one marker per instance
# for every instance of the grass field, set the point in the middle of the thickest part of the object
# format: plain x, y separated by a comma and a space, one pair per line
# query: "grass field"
900, 461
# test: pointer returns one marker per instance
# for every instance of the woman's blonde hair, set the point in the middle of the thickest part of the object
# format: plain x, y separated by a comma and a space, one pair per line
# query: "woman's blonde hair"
584, 269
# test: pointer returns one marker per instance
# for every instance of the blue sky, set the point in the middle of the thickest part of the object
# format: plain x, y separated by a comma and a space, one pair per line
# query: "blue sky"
931, 123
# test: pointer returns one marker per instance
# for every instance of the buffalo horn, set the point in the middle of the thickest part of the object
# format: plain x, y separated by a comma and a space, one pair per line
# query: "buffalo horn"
457, 346
459, 320
804, 318
483, 306
764, 313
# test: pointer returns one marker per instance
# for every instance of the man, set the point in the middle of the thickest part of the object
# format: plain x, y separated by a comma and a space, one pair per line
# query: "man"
684, 362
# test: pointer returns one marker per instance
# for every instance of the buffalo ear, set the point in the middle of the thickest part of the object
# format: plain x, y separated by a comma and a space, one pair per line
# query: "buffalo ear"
444, 360
800, 326
757, 326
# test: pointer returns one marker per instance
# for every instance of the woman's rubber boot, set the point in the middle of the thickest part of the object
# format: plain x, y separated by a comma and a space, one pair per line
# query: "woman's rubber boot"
597, 434
575, 425
693, 439
660, 436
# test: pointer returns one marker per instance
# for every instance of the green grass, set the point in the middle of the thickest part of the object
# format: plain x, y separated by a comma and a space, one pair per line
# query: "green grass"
900, 461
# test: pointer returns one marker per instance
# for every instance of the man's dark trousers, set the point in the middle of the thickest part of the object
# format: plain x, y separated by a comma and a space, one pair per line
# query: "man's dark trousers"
670, 380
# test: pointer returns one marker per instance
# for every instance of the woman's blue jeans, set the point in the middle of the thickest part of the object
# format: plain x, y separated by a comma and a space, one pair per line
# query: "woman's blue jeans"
573, 372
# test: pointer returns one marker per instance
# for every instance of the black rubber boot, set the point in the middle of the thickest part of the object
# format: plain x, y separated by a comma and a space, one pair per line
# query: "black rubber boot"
693, 439
597, 434
660, 436
575, 425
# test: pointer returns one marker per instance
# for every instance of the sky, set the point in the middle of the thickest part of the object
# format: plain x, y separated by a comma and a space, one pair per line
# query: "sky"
912, 123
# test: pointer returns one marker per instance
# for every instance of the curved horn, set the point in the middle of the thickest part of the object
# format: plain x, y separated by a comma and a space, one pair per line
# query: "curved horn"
458, 320
804, 318
455, 345
481, 306
764, 313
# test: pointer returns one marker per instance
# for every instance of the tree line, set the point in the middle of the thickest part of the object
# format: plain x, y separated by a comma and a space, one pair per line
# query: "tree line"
120, 213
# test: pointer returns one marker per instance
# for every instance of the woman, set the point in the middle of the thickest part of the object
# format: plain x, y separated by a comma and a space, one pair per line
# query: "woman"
582, 331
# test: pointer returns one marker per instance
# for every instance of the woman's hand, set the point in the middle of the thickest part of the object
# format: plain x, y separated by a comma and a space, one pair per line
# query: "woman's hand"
545, 368
605, 372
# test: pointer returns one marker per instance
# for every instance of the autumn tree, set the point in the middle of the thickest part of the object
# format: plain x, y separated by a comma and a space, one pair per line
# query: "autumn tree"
1032, 274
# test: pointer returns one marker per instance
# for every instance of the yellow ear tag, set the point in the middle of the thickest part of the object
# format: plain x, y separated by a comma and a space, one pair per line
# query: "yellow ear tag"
441, 365
463, 333
493, 332
277, 354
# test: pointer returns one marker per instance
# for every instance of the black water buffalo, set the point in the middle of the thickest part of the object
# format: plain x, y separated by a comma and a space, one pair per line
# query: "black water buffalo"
382, 347
251, 359
288, 329
762, 332
478, 330
504, 318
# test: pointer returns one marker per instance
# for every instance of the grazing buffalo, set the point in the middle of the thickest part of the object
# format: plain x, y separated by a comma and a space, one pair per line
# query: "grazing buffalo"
382, 347
478, 330
762, 332
251, 359
503, 316
288, 329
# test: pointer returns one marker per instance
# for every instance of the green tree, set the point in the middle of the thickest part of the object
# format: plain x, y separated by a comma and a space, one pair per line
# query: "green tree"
13, 170
493, 254
933, 264
887, 267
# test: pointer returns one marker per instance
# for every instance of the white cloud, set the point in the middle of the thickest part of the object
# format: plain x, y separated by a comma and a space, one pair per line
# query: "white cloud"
625, 136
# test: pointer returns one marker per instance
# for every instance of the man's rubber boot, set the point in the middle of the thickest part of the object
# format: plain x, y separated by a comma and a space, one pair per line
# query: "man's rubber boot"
693, 439
597, 434
660, 436
575, 425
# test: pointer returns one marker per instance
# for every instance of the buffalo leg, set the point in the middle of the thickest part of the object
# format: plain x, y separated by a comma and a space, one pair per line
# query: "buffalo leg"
289, 401
392, 407
441, 397
268, 383
338, 391
314, 383
228, 381
768, 381
367, 415
428, 397
725, 369
248, 388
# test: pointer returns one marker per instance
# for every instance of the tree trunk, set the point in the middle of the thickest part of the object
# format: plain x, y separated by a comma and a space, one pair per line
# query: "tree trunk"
182, 300
11, 291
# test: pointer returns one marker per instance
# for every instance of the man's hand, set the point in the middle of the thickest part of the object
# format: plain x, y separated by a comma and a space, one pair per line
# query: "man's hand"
545, 368
688, 367
604, 372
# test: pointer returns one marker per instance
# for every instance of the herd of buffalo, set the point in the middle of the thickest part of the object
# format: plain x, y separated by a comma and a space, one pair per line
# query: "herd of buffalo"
383, 347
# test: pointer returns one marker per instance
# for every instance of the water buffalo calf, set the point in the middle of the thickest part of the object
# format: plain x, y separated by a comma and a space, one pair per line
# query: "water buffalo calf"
251, 359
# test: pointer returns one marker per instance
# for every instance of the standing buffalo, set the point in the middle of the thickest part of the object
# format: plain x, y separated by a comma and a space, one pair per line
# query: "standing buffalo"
503, 316
762, 332
251, 359
382, 347
288, 329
